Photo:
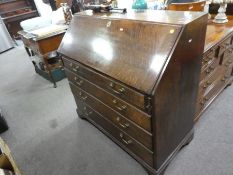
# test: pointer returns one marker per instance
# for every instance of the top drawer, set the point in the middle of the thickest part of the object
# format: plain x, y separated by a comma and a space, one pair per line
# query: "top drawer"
119, 90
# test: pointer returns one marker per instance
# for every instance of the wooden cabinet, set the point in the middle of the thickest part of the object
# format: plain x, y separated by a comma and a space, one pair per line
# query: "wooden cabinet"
135, 76
217, 64
15, 11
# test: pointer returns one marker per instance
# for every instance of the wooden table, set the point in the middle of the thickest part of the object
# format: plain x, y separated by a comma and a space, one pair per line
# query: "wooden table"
217, 64
43, 47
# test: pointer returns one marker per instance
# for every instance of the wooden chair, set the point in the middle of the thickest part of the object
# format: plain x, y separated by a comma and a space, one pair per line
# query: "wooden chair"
191, 6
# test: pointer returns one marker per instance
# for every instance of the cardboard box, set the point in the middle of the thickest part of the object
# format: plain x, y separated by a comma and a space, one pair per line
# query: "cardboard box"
5, 163
6, 160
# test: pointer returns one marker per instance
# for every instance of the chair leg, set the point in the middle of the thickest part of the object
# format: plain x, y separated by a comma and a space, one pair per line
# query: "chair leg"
28, 51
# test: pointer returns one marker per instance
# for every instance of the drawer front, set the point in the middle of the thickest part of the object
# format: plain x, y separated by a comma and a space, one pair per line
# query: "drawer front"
228, 57
209, 56
224, 75
109, 85
119, 136
216, 87
112, 101
228, 54
209, 82
227, 43
209, 69
129, 127
228, 73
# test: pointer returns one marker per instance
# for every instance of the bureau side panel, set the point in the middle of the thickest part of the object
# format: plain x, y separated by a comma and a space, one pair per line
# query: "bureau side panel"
176, 93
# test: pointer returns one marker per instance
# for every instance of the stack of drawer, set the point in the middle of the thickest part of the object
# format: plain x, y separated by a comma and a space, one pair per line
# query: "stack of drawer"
122, 113
216, 73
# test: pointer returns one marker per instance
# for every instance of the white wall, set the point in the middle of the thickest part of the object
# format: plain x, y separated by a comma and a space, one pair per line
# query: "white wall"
44, 9
125, 3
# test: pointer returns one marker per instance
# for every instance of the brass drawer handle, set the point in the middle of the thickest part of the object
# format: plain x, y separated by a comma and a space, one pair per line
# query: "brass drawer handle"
81, 95
205, 99
86, 112
119, 91
126, 125
120, 108
127, 142
202, 103
75, 69
78, 81
207, 84
209, 70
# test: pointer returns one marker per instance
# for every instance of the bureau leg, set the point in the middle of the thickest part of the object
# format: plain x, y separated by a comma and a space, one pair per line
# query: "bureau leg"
189, 139
80, 115
28, 51
161, 173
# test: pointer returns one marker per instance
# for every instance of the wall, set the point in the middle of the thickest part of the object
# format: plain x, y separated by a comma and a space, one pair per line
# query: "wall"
44, 9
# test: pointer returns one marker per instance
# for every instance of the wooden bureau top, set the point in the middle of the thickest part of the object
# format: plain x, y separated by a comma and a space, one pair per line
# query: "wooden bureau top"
132, 48
158, 16
217, 32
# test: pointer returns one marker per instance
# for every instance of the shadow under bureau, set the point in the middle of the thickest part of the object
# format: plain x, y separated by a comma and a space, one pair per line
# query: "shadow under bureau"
135, 76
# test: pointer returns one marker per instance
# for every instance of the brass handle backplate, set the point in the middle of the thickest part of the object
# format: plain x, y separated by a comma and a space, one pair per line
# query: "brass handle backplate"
119, 107
127, 142
78, 81
87, 113
116, 91
125, 125
82, 96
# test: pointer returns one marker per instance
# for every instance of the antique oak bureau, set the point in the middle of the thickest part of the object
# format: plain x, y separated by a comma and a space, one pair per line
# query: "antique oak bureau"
135, 76
217, 64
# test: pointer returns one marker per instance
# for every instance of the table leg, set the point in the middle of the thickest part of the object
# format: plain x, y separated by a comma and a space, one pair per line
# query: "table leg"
28, 51
49, 71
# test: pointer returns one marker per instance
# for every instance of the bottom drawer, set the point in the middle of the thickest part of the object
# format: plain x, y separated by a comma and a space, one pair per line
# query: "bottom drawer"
129, 144
217, 87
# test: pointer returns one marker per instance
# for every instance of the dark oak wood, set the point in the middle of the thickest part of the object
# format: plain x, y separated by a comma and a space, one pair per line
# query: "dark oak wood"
114, 132
15, 11
124, 109
216, 72
189, 6
135, 76
125, 124
42, 47
110, 85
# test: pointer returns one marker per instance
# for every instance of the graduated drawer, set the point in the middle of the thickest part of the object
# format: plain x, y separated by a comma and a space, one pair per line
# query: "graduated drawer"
127, 110
227, 43
208, 70
129, 127
209, 56
228, 73
228, 57
119, 90
216, 87
208, 83
124, 140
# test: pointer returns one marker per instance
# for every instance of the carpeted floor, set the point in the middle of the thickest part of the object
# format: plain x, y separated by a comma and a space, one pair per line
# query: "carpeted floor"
47, 138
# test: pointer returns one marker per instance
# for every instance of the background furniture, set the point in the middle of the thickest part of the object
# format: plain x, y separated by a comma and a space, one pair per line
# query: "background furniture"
214, 9
132, 78
6, 41
191, 6
15, 11
217, 64
47, 63
217, 61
